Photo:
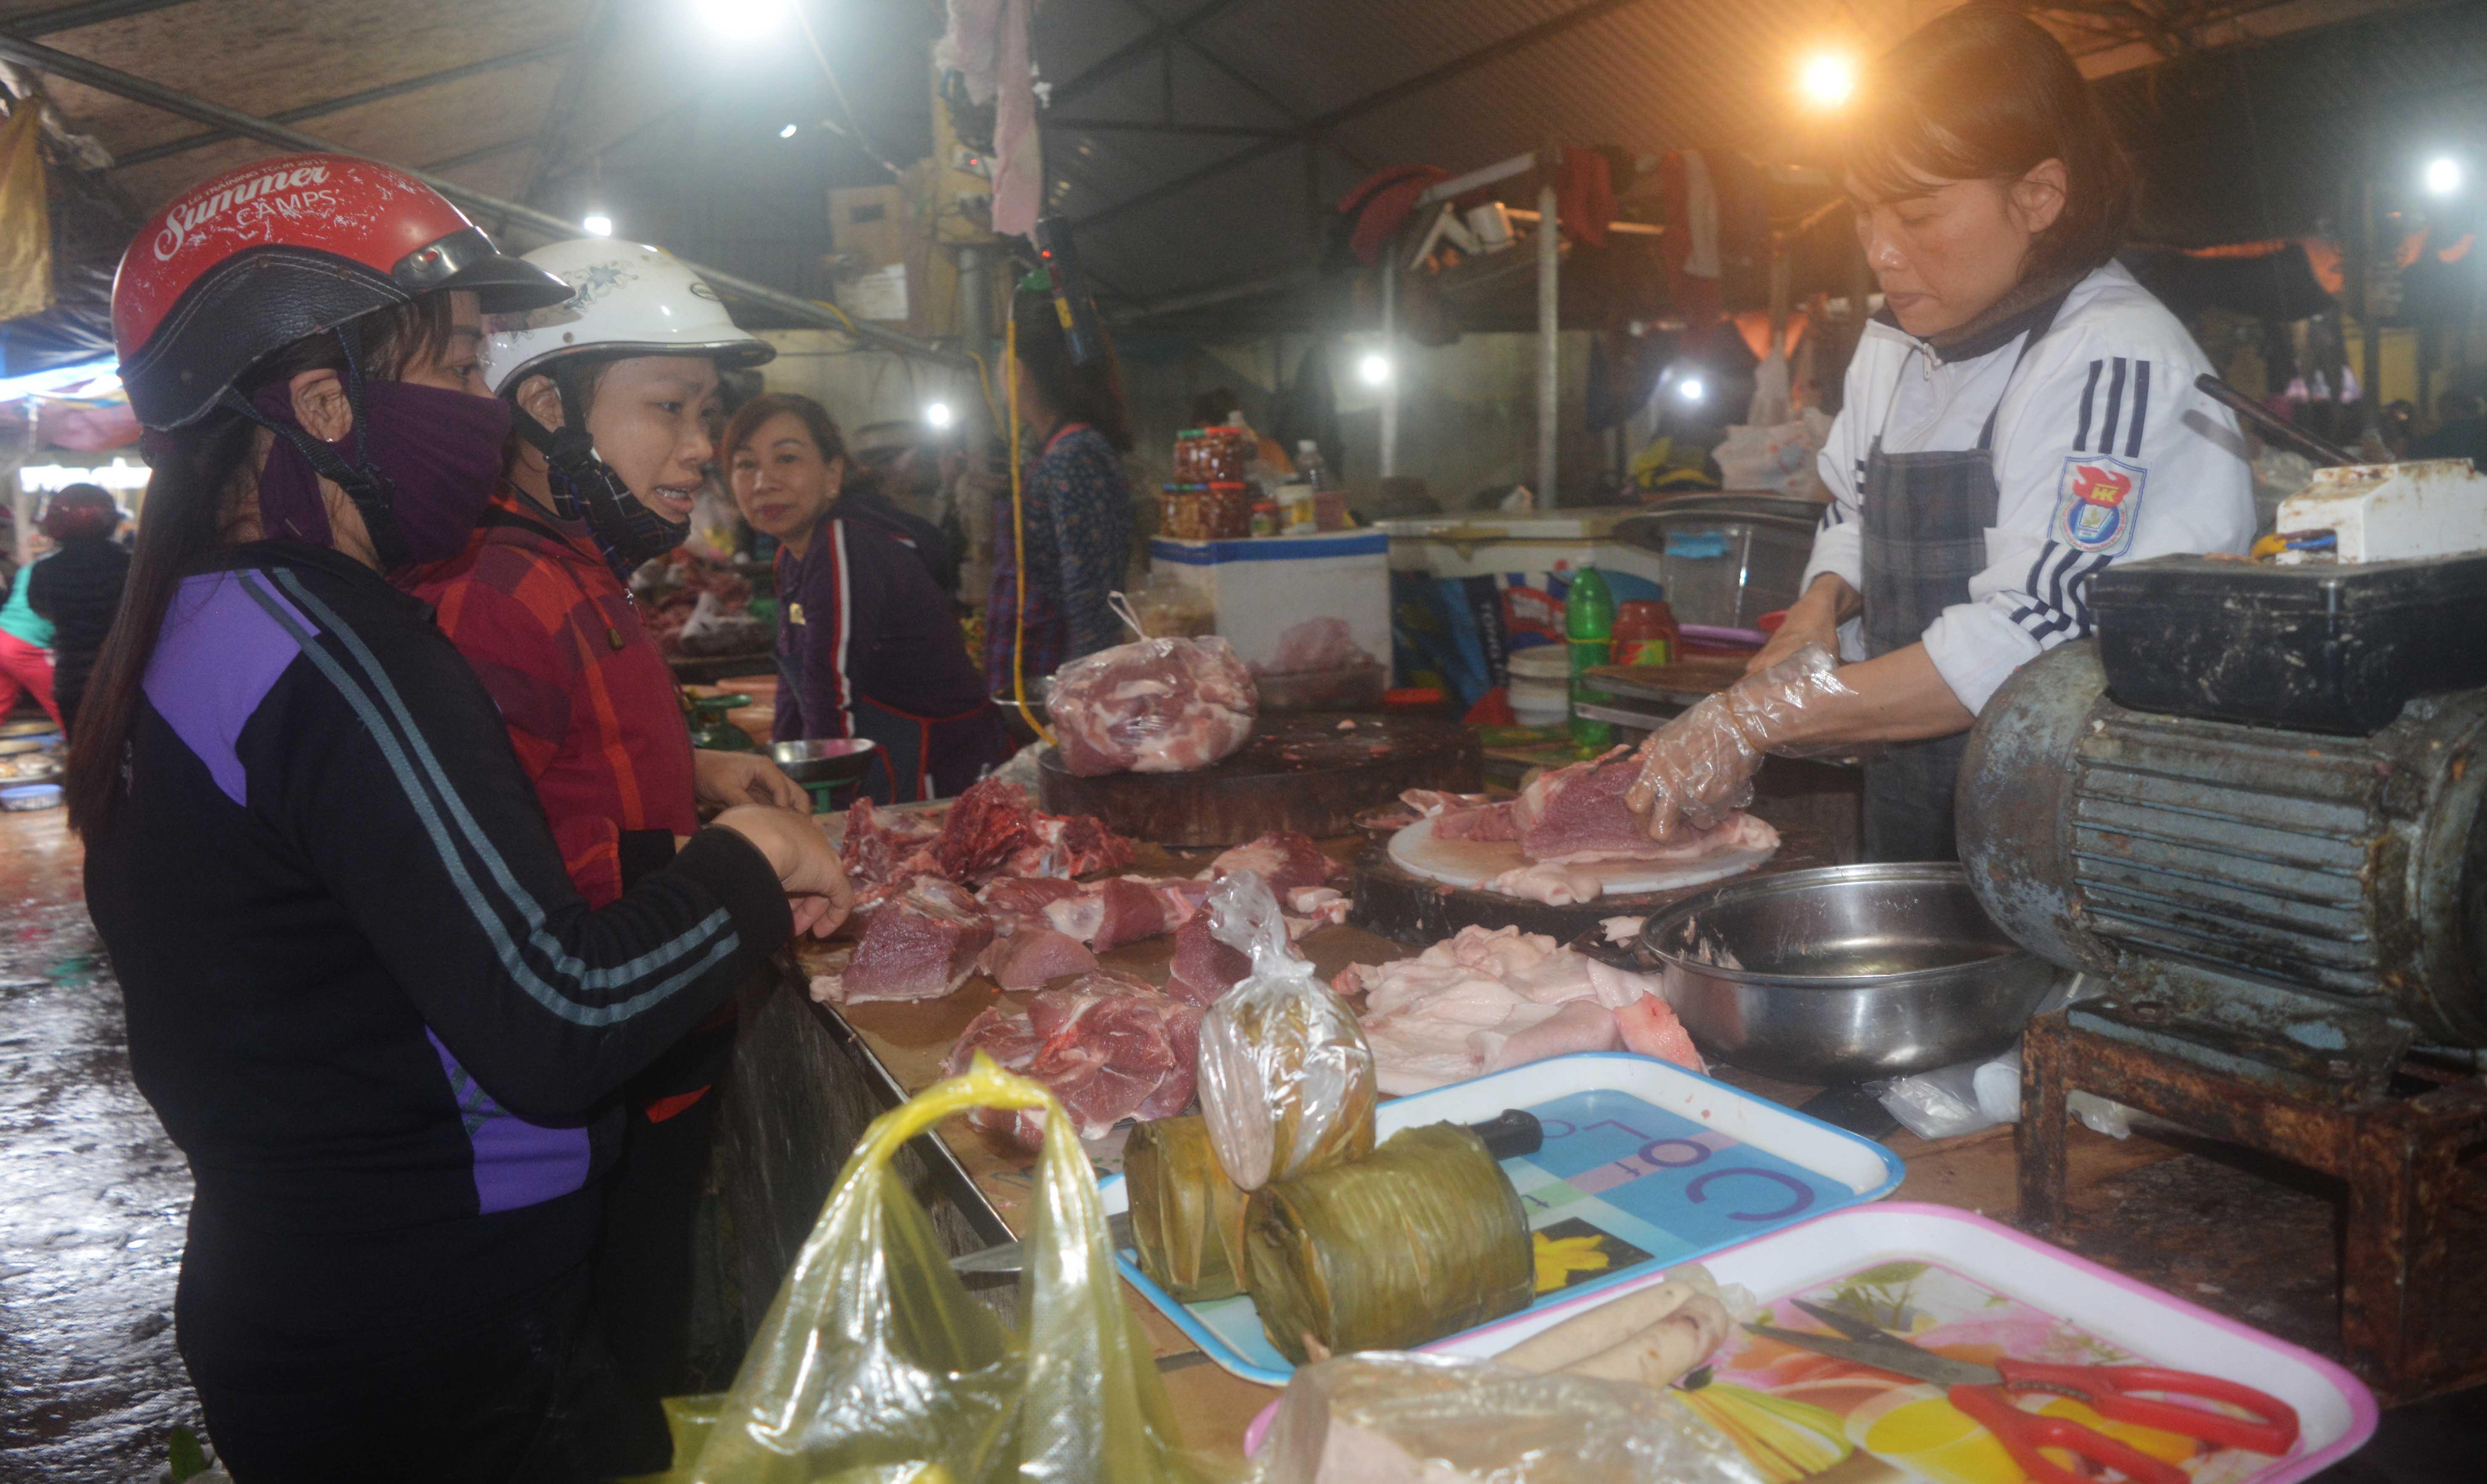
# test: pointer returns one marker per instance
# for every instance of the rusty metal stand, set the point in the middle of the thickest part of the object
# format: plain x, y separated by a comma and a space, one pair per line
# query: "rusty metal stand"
2399, 1156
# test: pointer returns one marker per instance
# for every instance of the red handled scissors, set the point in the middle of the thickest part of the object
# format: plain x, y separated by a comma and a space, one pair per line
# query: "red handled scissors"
1984, 1393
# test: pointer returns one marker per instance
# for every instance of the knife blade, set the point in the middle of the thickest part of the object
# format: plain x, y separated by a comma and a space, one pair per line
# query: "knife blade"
1881, 1349
1510, 1135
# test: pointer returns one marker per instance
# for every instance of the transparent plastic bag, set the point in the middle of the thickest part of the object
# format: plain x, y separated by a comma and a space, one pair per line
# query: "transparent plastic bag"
875, 1364
1392, 1417
1698, 769
1286, 1078
1153, 705
1952, 1100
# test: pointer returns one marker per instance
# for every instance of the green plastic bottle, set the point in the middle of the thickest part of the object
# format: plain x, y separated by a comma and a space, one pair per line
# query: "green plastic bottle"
1589, 624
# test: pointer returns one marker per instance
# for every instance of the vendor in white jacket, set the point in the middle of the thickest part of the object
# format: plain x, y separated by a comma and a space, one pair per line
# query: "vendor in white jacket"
2020, 416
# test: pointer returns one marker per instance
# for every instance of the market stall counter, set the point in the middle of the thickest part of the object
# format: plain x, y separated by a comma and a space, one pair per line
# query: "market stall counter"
809, 1076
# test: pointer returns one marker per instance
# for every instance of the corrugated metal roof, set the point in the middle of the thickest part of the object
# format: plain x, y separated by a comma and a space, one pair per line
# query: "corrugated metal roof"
1456, 83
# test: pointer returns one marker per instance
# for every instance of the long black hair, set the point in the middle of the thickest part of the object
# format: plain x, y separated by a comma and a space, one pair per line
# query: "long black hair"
1091, 394
200, 472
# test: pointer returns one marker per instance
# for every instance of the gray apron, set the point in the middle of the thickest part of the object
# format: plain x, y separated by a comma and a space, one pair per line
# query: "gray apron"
1924, 534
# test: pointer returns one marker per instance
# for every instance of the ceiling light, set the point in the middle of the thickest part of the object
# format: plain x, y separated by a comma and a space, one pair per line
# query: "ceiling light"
1374, 369
596, 224
2442, 176
937, 414
1828, 78
1690, 389
740, 20
788, 132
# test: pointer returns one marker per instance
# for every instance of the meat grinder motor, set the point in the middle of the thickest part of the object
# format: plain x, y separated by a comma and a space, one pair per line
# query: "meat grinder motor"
2297, 908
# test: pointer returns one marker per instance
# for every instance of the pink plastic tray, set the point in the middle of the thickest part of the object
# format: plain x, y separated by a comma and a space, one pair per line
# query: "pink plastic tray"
2036, 1282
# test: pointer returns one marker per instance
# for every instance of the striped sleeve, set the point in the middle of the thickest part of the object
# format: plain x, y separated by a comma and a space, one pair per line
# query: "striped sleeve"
391, 769
830, 644
2104, 453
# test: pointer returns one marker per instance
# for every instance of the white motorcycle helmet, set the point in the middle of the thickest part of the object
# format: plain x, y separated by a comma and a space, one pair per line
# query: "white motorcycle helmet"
628, 299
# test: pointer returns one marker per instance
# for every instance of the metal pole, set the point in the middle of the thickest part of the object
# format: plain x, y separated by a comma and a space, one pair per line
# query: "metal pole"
976, 315
1391, 357
1549, 344
120, 84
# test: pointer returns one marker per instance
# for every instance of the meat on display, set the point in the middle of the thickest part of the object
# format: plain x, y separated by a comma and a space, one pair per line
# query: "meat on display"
1153, 707
1107, 1048
1489, 999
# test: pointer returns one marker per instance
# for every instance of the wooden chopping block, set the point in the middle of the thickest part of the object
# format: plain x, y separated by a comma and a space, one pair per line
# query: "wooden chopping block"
1310, 771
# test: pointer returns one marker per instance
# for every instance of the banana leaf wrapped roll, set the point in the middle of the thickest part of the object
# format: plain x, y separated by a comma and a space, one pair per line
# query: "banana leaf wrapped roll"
1187, 1216
1422, 1238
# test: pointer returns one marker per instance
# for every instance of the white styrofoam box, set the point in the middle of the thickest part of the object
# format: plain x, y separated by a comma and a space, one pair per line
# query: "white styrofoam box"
2392, 512
1262, 587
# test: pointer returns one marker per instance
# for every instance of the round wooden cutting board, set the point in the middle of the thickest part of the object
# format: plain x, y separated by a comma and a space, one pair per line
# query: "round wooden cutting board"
1420, 910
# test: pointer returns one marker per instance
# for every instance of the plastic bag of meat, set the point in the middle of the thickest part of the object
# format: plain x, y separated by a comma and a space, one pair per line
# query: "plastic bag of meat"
1394, 1417
1286, 1080
1156, 706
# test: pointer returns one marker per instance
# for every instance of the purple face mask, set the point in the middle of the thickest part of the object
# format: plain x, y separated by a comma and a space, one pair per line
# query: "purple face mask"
439, 451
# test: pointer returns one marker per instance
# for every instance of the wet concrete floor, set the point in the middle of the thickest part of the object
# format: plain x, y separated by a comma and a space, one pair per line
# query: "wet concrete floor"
92, 1194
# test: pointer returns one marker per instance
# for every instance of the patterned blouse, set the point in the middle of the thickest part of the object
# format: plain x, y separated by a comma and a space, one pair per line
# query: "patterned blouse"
1080, 530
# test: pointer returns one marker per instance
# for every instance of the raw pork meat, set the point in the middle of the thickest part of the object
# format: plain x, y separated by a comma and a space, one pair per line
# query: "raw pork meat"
1487, 999
1552, 884
1205, 967
1024, 896
1315, 906
1110, 913
1159, 706
1317, 644
1107, 1048
1067, 845
920, 944
1464, 815
1285, 859
994, 830
1576, 814
883, 849
1032, 956
990, 831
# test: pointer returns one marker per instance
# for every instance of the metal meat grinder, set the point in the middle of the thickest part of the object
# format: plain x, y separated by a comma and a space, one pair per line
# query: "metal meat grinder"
2254, 803
2253, 807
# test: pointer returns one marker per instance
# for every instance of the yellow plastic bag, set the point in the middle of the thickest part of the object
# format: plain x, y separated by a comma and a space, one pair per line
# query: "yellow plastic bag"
875, 1365
25, 215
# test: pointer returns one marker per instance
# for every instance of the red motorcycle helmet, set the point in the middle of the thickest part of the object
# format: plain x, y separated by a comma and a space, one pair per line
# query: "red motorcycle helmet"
257, 257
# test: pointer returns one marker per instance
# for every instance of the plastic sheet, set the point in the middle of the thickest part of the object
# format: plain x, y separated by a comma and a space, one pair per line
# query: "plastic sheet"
1392, 1418
1287, 1082
1698, 769
875, 1364
1153, 705
1422, 1238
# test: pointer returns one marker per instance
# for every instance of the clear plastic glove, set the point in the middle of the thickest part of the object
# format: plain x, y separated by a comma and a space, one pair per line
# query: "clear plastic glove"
1698, 769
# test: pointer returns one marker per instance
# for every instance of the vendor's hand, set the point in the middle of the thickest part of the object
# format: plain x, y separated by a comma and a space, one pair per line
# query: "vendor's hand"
725, 779
1694, 771
1700, 768
806, 864
1814, 618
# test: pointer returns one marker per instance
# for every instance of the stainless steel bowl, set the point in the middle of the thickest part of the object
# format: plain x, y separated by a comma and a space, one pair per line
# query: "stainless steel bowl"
1845, 973
825, 759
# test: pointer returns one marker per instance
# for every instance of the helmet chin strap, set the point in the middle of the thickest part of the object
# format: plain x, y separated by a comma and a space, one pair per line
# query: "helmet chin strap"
373, 495
585, 488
